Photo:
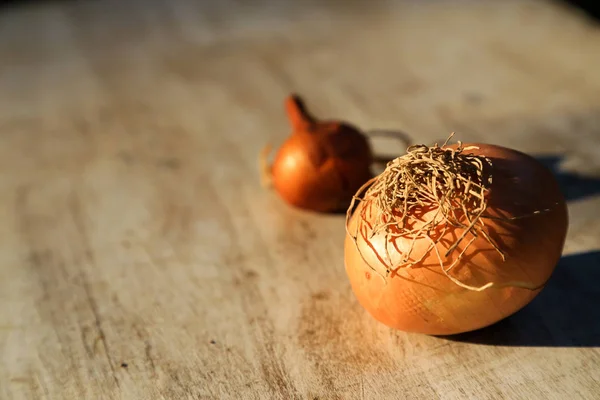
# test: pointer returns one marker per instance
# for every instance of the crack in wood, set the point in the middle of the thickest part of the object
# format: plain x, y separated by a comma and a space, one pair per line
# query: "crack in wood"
40, 261
77, 215
143, 336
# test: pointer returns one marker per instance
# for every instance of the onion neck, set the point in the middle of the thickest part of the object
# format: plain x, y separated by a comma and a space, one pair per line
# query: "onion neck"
298, 115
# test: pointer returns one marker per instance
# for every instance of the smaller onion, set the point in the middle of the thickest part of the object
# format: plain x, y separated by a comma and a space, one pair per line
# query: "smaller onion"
322, 163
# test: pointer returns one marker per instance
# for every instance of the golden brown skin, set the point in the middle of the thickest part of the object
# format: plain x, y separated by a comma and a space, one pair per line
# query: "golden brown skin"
322, 164
422, 299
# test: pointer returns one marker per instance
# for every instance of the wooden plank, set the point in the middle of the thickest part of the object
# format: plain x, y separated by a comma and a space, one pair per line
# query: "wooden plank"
140, 258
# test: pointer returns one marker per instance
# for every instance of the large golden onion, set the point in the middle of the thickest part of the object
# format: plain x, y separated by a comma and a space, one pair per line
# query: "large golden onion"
495, 271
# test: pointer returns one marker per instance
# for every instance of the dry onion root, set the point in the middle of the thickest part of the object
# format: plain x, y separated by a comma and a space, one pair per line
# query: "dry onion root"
454, 233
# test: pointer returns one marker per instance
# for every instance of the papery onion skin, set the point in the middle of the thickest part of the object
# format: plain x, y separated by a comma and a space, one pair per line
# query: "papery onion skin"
322, 164
422, 299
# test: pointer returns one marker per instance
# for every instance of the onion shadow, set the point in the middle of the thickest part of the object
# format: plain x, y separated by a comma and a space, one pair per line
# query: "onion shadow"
573, 186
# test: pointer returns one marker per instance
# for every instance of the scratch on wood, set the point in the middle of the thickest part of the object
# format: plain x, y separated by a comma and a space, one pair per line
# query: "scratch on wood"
78, 220
255, 308
98, 324
272, 369
148, 352
362, 387
27, 382
33, 382
42, 265
84, 338
147, 349
42, 385
335, 341
97, 342
183, 384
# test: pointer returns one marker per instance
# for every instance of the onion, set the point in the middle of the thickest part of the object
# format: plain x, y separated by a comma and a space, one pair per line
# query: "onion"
454, 238
322, 164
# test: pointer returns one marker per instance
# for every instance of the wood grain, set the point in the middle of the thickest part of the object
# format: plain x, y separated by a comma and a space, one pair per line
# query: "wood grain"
141, 259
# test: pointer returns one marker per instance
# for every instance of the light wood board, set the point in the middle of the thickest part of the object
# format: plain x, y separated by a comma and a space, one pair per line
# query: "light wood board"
141, 259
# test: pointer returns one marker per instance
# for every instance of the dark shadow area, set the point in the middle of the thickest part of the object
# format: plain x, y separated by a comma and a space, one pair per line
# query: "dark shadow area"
573, 186
589, 7
565, 314
9, 3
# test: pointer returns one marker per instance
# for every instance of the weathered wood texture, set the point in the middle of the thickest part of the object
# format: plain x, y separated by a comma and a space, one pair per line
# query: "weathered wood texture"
141, 259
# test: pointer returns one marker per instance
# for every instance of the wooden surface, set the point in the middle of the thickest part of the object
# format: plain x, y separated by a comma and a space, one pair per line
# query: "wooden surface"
141, 259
